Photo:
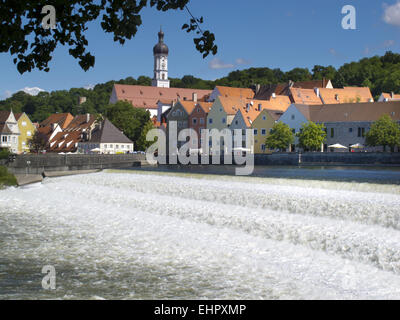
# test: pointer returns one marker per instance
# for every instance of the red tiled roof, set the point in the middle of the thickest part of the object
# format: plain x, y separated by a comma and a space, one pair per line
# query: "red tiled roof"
147, 97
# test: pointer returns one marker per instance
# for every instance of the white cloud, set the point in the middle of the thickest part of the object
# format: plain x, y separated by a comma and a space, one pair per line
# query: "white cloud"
219, 64
392, 14
389, 43
34, 91
242, 61
89, 87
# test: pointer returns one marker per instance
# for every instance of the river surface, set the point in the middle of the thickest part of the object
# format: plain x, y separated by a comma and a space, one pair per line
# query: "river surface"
154, 235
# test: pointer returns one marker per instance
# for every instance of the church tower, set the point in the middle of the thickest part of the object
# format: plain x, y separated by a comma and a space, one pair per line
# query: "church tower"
161, 63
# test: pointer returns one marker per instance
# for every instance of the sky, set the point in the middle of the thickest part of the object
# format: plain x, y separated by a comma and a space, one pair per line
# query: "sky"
254, 33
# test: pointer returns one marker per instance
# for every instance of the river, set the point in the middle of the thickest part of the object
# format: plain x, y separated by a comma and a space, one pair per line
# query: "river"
155, 235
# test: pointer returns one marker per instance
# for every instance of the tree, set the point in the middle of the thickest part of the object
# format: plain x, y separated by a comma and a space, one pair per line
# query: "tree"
22, 34
142, 144
131, 121
384, 132
38, 142
281, 137
311, 136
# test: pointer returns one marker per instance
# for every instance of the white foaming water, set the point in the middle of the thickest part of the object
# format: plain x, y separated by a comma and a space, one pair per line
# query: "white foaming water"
152, 236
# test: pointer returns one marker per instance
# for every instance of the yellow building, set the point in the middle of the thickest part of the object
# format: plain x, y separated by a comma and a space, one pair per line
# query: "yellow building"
27, 130
262, 126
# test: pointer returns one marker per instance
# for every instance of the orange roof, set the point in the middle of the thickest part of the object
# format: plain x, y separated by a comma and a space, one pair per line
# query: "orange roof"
63, 119
81, 122
232, 105
390, 97
305, 96
249, 115
346, 95
243, 93
279, 103
65, 141
147, 97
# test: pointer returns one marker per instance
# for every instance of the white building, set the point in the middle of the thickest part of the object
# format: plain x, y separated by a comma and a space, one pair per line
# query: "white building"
9, 131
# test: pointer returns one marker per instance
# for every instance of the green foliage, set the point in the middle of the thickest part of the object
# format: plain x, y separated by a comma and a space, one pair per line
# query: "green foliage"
131, 121
384, 132
281, 137
38, 142
312, 136
6, 178
32, 46
4, 153
142, 143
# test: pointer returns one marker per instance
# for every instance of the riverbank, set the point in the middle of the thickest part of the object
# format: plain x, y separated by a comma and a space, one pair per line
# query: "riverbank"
7, 179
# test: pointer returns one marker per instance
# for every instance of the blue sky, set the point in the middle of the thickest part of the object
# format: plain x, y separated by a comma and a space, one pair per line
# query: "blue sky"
253, 33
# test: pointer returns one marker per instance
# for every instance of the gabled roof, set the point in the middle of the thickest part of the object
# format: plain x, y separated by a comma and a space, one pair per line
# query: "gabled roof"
232, 105
305, 96
5, 129
4, 115
242, 93
108, 133
346, 95
147, 97
265, 92
81, 122
65, 141
63, 119
350, 112
281, 103
249, 115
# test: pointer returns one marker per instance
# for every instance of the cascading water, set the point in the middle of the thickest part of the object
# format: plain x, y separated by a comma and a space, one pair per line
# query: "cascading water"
156, 236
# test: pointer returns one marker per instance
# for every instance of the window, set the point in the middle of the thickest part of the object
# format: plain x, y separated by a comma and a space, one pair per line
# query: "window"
361, 132
270, 130
263, 147
263, 132
29, 134
117, 146
210, 121
4, 138
194, 121
332, 132
255, 132
24, 123
293, 117
350, 130
264, 118
223, 120
236, 122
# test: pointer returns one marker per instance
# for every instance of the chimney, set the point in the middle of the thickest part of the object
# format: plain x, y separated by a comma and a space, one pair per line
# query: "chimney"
291, 83
317, 92
273, 95
392, 95
259, 107
336, 97
247, 107
87, 117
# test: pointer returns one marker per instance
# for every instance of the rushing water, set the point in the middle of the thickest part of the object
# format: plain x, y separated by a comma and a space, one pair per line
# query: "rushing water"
146, 235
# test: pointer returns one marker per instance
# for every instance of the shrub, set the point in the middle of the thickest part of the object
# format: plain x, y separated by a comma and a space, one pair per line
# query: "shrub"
6, 178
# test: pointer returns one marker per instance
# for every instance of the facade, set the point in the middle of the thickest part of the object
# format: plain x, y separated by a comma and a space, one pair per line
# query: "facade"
295, 117
346, 124
26, 129
180, 114
198, 121
262, 127
9, 131
105, 138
